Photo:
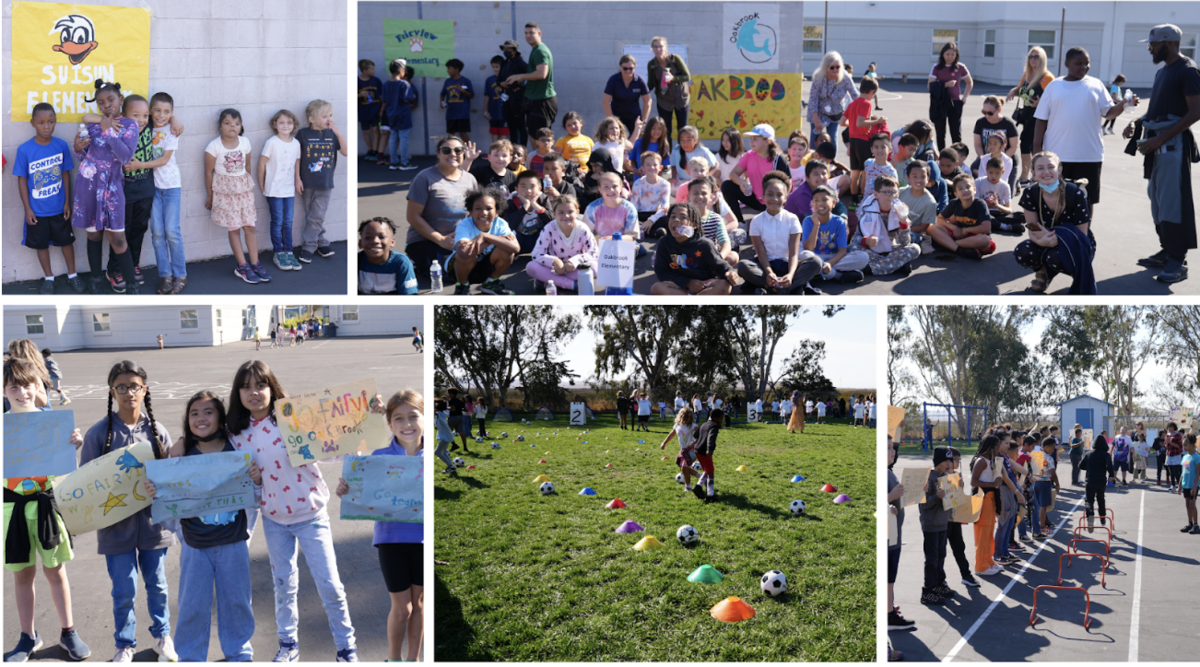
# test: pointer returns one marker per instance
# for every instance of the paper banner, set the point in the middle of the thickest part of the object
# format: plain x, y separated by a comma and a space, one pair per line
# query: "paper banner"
1037, 463
749, 33
1089, 438
426, 45
895, 417
202, 485
914, 480
578, 414
384, 487
105, 490
968, 512
38, 444
331, 422
742, 101
893, 528
59, 50
953, 486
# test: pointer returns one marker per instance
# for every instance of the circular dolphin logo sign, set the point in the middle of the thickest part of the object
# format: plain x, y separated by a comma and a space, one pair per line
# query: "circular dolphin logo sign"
756, 42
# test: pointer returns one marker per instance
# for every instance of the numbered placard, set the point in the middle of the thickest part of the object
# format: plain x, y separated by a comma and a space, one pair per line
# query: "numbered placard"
578, 414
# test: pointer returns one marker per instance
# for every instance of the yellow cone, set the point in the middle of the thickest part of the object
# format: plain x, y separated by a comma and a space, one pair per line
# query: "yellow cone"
742, 469
647, 542
547, 453
540, 478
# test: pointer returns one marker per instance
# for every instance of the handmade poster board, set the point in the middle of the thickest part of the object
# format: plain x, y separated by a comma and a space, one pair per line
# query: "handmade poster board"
1037, 463
332, 422
105, 490
1089, 439
742, 101
953, 486
914, 480
968, 512
38, 444
384, 487
895, 417
195, 486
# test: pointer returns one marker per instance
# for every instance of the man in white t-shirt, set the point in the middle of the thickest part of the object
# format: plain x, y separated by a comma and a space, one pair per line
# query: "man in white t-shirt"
680, 403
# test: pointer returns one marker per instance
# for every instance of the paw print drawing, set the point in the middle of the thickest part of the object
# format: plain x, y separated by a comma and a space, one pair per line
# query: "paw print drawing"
416, 45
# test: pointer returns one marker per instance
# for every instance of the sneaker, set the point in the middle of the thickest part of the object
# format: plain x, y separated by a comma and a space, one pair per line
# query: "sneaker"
47, 289
281, 261
461, 289
698, 490
1016, 547
124, 654
970, 581
898, 622
407, 166
931, 598
927, 246
246, 273
65, 401
1157, 259
1196, 530
348, 655
852, 276
393, 167
1025, 538
968, 253
495, 286
261, 272
77, 283
116, 282
25, 646
165, 648
137, 276
993, 570
710, 499
944, 591
73, 645
305, 256
326, 251
97, 284
289, 652
1090, 521
1174, 271
1185, 529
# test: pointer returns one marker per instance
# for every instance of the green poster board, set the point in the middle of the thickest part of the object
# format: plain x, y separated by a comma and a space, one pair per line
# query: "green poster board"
426, 45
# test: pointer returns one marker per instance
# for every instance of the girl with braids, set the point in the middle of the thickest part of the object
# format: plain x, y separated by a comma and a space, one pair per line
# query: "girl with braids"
217, 543
293, 512
1060, 236
135, 543
99, 192
984, 479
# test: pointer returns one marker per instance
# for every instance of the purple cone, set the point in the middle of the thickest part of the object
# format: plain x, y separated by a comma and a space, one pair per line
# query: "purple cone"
630, 527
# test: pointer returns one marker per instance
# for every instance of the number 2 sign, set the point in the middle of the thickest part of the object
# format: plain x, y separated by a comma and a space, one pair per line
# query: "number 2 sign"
578, 414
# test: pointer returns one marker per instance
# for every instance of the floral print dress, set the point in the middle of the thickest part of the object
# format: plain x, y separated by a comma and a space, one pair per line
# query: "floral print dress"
99, 192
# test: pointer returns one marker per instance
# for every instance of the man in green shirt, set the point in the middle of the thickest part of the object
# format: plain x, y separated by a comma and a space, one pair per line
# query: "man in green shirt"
541, 103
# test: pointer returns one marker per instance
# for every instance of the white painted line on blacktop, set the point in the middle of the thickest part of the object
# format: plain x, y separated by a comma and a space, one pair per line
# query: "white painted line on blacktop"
1012, 582
1137, 585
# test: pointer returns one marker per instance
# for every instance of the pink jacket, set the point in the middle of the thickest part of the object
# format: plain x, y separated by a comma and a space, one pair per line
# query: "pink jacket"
580, 248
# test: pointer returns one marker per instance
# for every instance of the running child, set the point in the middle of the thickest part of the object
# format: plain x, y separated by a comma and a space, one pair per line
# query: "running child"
706, 444
56, 377
43, 169
1100, 472
685, 431
445, 436
279, 179
231, 194
418, 341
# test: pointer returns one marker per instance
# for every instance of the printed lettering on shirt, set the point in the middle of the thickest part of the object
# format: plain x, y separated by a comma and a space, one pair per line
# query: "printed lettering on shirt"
45, 176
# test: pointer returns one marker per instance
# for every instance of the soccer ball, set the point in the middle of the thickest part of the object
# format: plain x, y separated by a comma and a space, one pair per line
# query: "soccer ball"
495, 445
458, 462
774, 583
478, 438
504, 434
797, 507
687, 536
546, 488
520, 438
679, 477
696, 466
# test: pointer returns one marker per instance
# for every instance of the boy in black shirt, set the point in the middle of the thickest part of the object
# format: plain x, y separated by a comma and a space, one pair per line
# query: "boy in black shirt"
1099, 466
964, 226
495, 172
687, 263
528, 211
706, 442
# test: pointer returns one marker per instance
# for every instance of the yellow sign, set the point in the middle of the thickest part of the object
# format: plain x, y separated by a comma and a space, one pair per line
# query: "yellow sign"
742, 101
968, 512
334, 421
59, 50
106, 490
895, 420
953, 486
914, 481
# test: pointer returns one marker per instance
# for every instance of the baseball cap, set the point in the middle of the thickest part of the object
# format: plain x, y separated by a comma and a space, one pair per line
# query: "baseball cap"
1164, 33
509, 44
764, 130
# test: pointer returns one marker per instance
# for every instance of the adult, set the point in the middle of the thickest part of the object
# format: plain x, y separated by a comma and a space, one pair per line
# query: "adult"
831, 91
437, 202
541, 103
626, 94
513, 98
670, 81
1060, 236
1033, 83
1170, 149
994, 122
949, 96
745, 186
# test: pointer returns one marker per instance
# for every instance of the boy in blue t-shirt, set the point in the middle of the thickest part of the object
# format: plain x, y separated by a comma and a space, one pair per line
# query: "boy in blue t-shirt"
399, 98
456, 100
494, 97
370, 106
43, 170
382, 270
484, 245
824, 235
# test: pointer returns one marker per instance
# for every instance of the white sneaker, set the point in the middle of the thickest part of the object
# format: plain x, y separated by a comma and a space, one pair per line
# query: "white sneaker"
287, 653
124, 654
165, 648
995, 569
927, 246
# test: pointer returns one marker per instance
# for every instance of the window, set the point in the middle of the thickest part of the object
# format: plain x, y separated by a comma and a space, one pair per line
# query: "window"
989, 43
34, 325
1045, 39
814, 39
218, 318
943, 37
189, 319
1187, 46
350, 313
100, 323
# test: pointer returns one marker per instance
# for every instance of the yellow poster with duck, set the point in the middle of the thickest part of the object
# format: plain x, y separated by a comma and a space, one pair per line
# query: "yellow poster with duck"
742, 101
59, 50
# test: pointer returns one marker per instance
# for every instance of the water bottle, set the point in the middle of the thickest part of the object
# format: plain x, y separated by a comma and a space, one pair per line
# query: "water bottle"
551, 288
619, 291
1128, 94
546, 182
83, 131
435, 277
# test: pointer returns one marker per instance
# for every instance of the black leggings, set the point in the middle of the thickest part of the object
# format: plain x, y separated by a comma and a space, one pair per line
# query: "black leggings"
732, 192
1162, 463
954, 120
1095, 494
1173, 472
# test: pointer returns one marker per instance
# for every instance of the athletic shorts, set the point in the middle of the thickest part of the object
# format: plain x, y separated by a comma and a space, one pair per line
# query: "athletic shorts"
1121, 466
893, 563
482, 271
706, 463
643, 419
497, 127
403, 565
1189, 494
1042, 492
371, 124
460, 125
1089, 170
50, 229
50, 557
860, 152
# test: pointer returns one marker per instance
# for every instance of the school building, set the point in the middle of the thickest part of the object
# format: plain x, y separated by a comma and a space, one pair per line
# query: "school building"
355, 320
257, 56
73, 327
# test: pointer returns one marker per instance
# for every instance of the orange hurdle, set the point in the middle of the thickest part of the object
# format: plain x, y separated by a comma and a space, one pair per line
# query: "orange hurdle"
1079, 528
1112, 517
1033, 619
1103, 569
1107, 553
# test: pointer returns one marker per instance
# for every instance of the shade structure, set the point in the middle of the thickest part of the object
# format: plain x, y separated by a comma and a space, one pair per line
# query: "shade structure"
842, 498
731, 610
587, 491
615, 503
829, 488
629, 527
705, 574
540, 478
798, 478
647, 542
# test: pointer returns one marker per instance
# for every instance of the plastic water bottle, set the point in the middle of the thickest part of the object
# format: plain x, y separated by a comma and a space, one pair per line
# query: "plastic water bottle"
83, 131
435, 277
551, 288
546, 182
619, 291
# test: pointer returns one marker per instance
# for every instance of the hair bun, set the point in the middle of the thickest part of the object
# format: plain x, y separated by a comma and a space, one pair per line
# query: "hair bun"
98, 83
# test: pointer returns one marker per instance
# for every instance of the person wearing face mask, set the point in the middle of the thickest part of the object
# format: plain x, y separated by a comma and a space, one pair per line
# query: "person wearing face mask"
687, 263
1058, 218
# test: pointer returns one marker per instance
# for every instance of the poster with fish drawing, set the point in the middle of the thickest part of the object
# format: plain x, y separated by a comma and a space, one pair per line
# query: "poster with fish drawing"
384, 487
105, 490
742, 101
331, 422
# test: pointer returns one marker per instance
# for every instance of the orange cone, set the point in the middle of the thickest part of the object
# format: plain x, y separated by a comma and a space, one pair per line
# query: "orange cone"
732, 610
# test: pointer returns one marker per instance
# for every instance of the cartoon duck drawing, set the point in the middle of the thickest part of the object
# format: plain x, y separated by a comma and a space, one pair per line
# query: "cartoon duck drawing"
78, 37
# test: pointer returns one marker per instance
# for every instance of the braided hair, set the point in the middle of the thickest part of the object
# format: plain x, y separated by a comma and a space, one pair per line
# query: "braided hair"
132, 368
988, 444
101, 85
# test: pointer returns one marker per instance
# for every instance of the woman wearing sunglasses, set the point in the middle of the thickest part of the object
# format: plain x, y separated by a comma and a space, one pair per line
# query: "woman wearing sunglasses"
626, 95
1033, 82
994, 122
436, 204
832, 89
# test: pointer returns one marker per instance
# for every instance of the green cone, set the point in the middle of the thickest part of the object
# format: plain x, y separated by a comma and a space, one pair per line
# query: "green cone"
705, 574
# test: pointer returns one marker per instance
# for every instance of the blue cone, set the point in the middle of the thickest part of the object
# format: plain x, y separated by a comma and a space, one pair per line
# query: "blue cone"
587, 491
641, 442
798, 478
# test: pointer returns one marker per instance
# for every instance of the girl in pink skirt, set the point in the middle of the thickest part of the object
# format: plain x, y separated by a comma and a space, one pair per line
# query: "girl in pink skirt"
231, 193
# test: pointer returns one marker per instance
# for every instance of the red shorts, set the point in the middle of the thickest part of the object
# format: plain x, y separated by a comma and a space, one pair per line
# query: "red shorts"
706, 463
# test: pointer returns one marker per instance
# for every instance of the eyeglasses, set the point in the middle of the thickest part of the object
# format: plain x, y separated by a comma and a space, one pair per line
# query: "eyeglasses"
446, 150
627, 69
134, 389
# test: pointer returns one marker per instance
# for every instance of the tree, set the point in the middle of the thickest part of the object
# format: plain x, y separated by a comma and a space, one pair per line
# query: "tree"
1117, 340
803, 370
899, 338
647, 338
1180, 351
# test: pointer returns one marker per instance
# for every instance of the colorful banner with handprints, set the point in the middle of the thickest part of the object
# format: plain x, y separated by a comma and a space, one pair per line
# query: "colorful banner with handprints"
39, 443
742, 101
426, 45
194, 486
384, 487
105, 490
331, 422
59, 50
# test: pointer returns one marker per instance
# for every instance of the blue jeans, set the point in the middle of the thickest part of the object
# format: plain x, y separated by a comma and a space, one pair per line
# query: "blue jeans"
123, 571
282, 209
166, 234
315, 538
228, 568
1004, 537
398, 145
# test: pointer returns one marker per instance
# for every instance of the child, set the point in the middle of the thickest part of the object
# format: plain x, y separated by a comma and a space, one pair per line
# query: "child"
685, 431
995, 149
883, 230
495, 172
1122, 449
895, 491
785, 409
706, 444
526, 213
878, 164
543, 141
297, 518
278, 178
399, 100
823, 236
948, 164
165, 231
320, 144
481, 408
963, 227
798, 155
934, 521
30, 532
517, 165
455, 99
687, 263
214, 550
565, 250
418, 341
576, 147
493, 103
1190, 484
730, 152
99, 203
611, 214
1115, 93
399, 544
484, 246
650, 192
699, 193
697, 168
954, 534
777, 266
863, 125
382, 270
654, 138
874, 75
643, 406
995, 193
688, 149
610, 135
821, 412
445, 436
1044, 487
1100, 472
1174, 460
43, 169
906, 148
961, 150
370, 106
134, 544
231, 193
55, 376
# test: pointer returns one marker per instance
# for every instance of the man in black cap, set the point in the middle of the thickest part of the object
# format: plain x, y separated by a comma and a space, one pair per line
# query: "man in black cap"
514, 95
1170, 149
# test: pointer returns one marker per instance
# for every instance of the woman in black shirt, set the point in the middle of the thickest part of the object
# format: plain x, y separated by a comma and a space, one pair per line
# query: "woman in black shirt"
1051, 205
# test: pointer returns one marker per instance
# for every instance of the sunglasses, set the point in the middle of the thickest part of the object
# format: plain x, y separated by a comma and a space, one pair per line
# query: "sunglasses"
627, 69
989, 113
446, 150
833, 67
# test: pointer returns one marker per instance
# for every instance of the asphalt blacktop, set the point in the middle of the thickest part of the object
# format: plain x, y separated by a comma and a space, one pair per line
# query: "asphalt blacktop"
1122, 224
1143, 612
175, 374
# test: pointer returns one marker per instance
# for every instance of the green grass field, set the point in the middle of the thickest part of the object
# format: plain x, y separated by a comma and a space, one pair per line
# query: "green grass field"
545, 578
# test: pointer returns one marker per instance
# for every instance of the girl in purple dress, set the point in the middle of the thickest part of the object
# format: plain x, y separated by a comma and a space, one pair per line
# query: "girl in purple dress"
99, 191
